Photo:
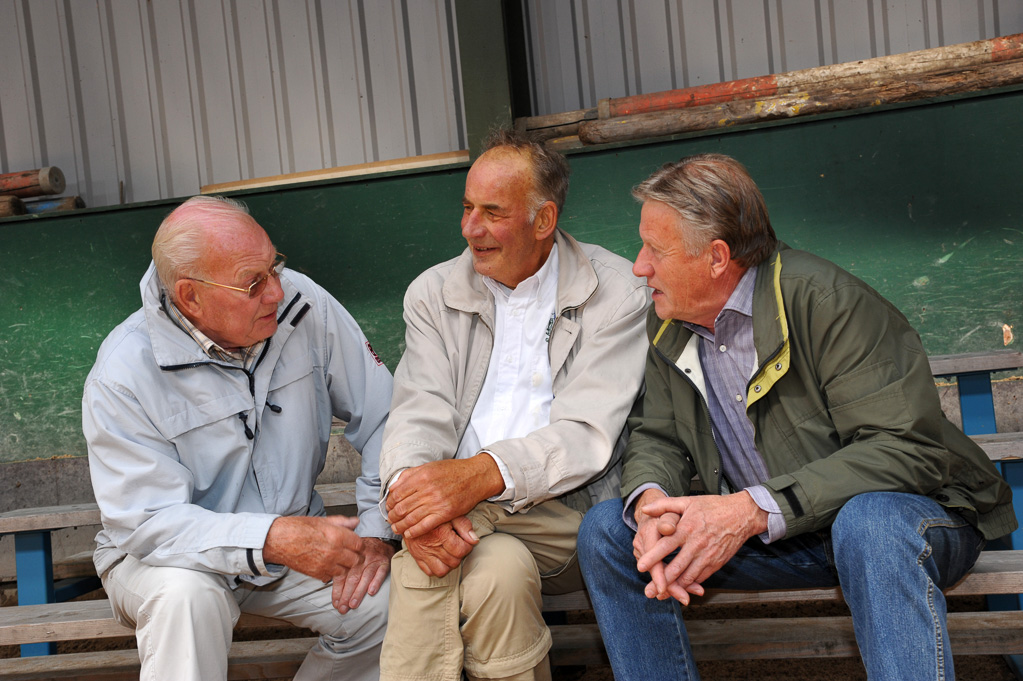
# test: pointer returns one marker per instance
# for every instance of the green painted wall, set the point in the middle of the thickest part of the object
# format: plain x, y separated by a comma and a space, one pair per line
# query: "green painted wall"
924, 203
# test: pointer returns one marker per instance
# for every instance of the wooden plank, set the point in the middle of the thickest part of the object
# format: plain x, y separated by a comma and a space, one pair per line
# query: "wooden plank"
76, 620
995, 572
577, 644
246, 660
11, 205
996, 360
976, 633
337, 494
49, 518
76, 515
1001, 446
424, 161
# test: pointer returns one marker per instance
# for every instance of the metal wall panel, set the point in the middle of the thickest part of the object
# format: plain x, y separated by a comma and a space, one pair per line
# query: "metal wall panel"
582, 51
145, 99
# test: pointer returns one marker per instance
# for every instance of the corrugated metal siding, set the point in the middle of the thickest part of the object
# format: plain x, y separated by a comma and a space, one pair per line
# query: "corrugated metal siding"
165, 96
583, 51
144, 99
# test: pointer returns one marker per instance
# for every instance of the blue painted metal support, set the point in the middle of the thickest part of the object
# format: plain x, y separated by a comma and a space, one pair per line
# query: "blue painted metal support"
977, 404
1012, 471
34, 562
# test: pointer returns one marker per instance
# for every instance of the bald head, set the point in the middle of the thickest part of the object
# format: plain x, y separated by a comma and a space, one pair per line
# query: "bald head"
193, 230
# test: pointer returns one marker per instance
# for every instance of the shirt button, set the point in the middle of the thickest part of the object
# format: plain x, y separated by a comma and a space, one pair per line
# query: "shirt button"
738, 398
723, 348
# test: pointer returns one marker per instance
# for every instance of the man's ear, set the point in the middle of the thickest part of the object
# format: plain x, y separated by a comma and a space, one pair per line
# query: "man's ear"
545, 221
186, 297
720, 257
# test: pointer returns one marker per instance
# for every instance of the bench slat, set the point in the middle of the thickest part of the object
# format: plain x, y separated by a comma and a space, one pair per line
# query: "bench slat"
968, 362
76, 620
77, 515
731, 639
996, 572
246, 660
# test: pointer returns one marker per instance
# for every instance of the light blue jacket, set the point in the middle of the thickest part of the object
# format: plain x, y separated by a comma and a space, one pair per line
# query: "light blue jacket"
192, 459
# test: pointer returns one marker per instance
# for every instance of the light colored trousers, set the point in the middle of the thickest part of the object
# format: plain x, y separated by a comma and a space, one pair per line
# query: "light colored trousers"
485, 615
183, 621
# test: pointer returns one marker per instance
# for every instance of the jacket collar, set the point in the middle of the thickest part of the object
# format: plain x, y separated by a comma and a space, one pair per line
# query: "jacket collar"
465, 290
770, 331
174, 347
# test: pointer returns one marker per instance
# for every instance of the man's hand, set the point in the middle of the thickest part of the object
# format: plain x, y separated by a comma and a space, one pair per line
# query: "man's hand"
442, 549
366, 577
650, 530
440, 491
709, 530
318, 547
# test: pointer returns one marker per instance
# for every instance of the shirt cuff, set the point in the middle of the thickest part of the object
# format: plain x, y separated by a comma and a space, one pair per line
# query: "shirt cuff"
382, 504
509, 484
776, 526
629, 513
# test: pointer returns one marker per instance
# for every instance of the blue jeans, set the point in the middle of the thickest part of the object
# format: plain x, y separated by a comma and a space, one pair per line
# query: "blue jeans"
891, 553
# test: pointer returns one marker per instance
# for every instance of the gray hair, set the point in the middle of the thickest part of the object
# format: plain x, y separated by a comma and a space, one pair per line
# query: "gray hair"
550, 169
715, 198
180, 243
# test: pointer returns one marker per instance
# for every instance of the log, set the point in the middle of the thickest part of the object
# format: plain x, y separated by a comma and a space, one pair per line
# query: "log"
11, 205
58, 204
850, 75
28, 183
838, 97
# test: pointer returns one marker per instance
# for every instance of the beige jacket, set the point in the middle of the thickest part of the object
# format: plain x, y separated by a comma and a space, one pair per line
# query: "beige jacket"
597, 352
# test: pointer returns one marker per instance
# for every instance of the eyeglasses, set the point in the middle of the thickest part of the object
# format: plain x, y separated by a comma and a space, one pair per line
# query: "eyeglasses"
257, 287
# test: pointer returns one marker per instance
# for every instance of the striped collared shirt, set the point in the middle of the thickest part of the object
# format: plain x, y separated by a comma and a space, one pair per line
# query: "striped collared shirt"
729, 359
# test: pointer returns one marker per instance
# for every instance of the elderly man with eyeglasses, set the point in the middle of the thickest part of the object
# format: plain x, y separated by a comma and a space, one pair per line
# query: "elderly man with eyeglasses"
207, 416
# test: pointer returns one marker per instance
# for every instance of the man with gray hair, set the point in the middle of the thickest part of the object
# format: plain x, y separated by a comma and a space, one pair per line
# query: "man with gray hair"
523, 358
207, 416
804, 402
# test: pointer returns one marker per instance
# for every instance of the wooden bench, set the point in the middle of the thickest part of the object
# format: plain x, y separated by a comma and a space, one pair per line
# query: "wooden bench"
978, 632
34, 557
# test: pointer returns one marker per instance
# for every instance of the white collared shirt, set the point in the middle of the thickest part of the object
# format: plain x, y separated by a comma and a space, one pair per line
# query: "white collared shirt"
517, 393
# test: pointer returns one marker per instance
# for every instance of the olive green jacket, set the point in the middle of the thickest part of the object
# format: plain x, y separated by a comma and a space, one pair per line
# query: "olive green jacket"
843, 402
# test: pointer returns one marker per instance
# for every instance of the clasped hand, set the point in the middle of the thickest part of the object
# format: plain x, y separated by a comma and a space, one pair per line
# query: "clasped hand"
705, 530
437, 492
327, 548
428, 506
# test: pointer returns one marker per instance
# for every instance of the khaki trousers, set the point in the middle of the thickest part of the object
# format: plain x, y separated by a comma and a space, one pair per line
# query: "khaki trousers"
485, 615
183, 621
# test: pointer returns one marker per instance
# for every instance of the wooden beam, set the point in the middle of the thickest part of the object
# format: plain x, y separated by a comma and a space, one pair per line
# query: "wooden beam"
412, 162
830, 99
